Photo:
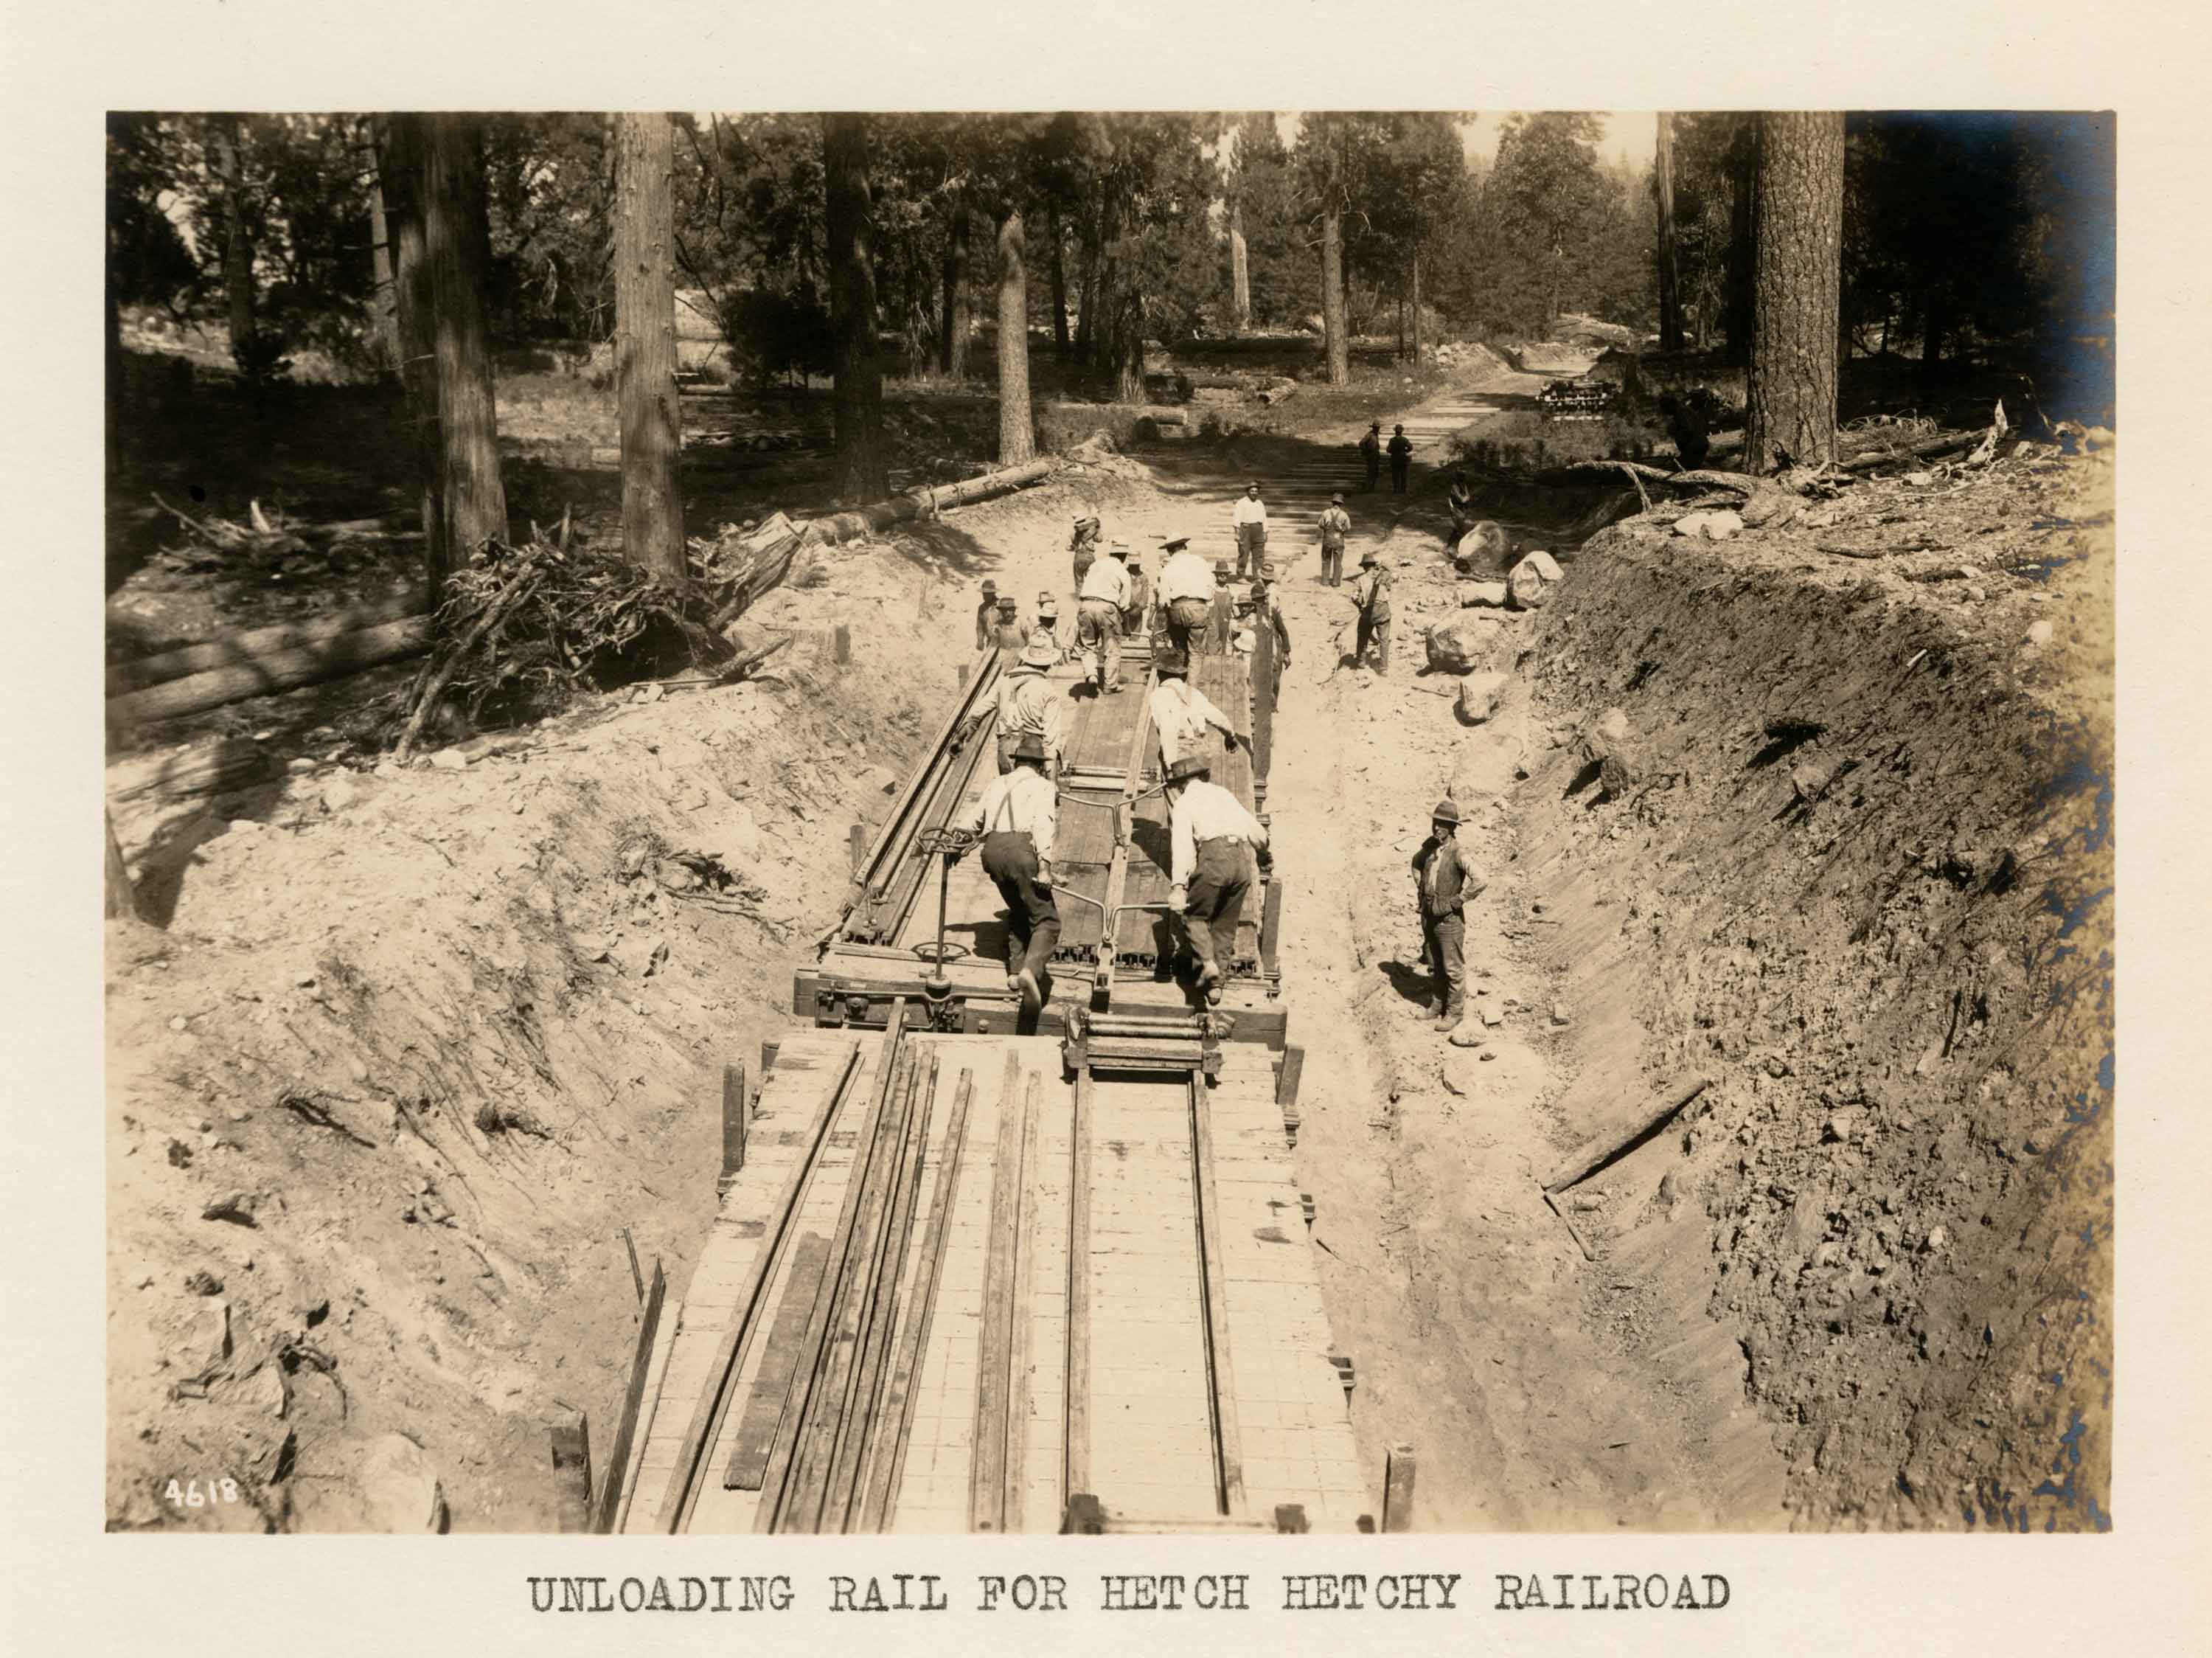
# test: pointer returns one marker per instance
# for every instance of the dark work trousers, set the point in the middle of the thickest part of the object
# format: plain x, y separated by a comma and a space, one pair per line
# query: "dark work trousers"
1332, 564
1443, 946
1251, 548
1214, 902
1397, 464
1374, 459
1010, 858
1376, 636
1186, 620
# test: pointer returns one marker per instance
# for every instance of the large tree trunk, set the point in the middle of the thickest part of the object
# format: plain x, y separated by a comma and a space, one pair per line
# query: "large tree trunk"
456, 244
1417, 302
237, 238
953, 328
1017, 436
1797, 231
1240, 271
1128, 339
1059, 282
1935, 326
1333, 320
384, 301
402, 149
1670, 292
645, 344
1086, 322
1738, 322
863, 470
112, 427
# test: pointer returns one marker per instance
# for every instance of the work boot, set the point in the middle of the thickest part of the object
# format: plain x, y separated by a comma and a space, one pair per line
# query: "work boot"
1455, 1010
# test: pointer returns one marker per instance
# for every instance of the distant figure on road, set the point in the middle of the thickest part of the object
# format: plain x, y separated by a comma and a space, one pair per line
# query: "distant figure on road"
1447, 882
1083, 547
1372, 592
1371, 454
1402, 456
985, 616
1098, 618
1250, 519
1187, 593
1692, 439
1018, 818
1333, 525
1212, 838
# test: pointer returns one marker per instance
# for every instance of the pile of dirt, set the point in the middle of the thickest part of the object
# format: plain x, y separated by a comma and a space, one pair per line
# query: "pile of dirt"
1835, 833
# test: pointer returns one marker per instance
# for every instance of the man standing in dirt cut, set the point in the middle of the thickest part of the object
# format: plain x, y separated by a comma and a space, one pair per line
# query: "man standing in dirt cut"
986, 616
1447, 882
1249, 518
1017, 818
1212, 839
1402, 456
1370, 591
1334, 527
1083, 545
1371, 454
1098, 604
1187, 596
1268, 613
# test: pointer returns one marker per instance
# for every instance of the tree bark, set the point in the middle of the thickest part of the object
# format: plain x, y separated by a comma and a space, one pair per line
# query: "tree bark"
112, 427
1670, 291
402, 151
1017, 433
1127, 335
862, 471
1059, 282
1417, 303
1086, 322
952, 333
237, 239
1797, 228
384, 303
1240, 271
1739, 302
1332, 294
122, 898
456, 241
645, 344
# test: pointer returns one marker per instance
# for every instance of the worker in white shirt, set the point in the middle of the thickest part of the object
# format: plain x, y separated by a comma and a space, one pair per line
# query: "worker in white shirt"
1212, 839
1017, 819
1024, 703
1098, 616
1250, 519
1185, 591
1181, 712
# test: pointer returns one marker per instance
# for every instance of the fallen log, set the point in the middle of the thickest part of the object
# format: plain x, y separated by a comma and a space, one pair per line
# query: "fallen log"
1280, 393
1928, 448
220, 765
276, 670
1699, 478
926, 503
246, 645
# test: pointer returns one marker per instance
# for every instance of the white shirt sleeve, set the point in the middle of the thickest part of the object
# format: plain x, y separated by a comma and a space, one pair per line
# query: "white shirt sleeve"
1182, 848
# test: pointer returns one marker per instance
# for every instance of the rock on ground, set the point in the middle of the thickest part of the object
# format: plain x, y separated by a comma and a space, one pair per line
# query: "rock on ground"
1714, 526
1453, 647
1479, 696
1531, 581
1491, 595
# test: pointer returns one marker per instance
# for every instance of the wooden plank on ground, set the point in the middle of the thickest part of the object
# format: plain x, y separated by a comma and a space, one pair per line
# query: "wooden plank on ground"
633, 1401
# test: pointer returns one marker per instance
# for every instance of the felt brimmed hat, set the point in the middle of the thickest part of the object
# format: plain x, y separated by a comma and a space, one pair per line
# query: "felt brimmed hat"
1267, 570
1030, 747
1221, 568
1368, 557
1119, 550
1254, 484
990, 589
1336, 501
1171, 661
1039, 653
1173, 542
1045, 601
1190, 765
1447, 811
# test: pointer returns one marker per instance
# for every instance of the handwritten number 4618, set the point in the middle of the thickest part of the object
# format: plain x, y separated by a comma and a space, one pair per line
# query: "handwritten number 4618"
190, 1494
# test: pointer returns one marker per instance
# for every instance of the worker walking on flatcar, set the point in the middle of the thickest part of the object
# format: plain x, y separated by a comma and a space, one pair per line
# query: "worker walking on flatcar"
1017, 818
1024, 703
1181, 712
1211, 840
1187, 594
1104, 591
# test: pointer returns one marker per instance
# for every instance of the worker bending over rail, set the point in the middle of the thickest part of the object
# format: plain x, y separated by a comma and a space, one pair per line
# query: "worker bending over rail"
1181, 712
1212, 839
1018, 818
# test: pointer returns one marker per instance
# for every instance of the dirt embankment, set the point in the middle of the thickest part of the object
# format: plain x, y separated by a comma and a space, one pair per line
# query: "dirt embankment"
1844, 848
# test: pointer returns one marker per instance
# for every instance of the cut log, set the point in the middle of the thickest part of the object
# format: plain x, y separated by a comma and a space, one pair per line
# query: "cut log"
244, 646
924, 503
277, 670
1944, 443
220, 765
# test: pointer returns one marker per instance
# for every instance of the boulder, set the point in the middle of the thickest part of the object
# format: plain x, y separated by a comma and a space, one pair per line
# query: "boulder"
1489, 595
399, 1487
1608, 743
1453, 647
1716, 525
339, 793
1483, 545
1769, 506
1479, 697
1531, 581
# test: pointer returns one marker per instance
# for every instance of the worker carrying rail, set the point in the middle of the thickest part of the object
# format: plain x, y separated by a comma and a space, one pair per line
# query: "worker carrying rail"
1187, 594
1023, 704
1018, 818
1099, 603
1181, 712
1212, 839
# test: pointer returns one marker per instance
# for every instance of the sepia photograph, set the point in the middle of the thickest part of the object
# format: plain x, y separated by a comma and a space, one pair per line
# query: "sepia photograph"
1128, 822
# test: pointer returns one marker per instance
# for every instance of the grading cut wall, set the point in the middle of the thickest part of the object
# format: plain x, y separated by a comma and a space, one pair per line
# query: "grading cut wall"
1841, 843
